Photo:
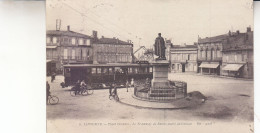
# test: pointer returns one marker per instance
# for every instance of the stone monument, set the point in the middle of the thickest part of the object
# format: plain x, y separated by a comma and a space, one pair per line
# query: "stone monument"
161, 88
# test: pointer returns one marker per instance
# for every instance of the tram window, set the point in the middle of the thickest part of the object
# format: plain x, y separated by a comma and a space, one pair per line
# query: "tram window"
130, 70
67, 70
135, 70
151, 69
98, 70
118, 70
105, 71
110, 70
93, 70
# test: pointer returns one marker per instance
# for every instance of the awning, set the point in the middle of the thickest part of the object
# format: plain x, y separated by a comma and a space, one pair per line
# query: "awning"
207, 65
232, 67
51, 46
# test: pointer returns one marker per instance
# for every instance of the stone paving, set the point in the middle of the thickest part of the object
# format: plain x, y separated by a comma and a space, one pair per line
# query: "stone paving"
228, 99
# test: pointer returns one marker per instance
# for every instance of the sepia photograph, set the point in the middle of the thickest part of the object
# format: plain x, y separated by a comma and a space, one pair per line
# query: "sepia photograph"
149, 66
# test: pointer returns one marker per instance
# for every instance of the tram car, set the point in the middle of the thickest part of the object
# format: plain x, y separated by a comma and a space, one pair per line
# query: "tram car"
101, 76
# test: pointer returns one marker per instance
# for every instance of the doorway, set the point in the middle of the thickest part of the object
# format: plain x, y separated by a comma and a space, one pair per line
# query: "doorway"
183, 67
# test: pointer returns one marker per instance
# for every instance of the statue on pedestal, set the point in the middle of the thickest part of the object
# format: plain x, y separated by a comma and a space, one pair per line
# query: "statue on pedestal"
159, 47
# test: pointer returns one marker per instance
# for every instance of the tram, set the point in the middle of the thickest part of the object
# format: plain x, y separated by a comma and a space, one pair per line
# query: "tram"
100, 75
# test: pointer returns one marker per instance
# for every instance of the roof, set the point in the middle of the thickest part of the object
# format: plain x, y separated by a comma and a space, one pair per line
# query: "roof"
111, 41
67, 33
184, 46
104, 65
213, 39
241, 41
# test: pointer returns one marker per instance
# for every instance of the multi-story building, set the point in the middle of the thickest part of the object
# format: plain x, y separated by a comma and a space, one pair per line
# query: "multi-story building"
238, 55
112, 50
183, 58
210, 54
68, 47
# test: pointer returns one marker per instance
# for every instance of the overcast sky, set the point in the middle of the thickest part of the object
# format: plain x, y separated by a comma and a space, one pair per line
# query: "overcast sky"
142, 20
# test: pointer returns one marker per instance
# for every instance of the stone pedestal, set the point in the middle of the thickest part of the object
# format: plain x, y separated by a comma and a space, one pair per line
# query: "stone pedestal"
160, 74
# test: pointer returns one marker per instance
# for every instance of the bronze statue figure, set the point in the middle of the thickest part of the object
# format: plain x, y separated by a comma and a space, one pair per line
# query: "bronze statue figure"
159, 47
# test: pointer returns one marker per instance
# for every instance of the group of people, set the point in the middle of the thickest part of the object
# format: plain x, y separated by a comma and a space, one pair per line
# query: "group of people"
80, 85
113, 87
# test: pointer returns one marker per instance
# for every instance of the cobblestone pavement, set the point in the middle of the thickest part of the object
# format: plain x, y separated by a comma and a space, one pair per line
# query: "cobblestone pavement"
228, 100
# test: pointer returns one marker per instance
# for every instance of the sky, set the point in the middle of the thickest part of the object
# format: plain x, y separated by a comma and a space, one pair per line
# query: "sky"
182, 21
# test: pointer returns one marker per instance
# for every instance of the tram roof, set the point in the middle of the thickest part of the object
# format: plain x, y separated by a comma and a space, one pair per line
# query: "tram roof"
104, 65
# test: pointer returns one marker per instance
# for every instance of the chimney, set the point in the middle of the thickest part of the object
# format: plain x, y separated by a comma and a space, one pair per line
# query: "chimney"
94, 34
68, 28
238, 32
248, 29
229, 33
102, 36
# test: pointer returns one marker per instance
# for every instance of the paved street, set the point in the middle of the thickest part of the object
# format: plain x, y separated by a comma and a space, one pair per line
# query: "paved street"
228, 100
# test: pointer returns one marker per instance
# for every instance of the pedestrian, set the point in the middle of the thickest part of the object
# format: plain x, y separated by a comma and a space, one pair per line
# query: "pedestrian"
127, 85
53, 76
47, 91
77, 87
110, 89
132, 82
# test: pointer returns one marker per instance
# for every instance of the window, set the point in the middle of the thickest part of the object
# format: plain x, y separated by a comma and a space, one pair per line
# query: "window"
54, 40
105, 70
48, 40
130, 70
80, 41
65, 54
110, 70
67, 70
73, 41
93, 70
73, 54
151, 69
173, 66
98, 70
88, 42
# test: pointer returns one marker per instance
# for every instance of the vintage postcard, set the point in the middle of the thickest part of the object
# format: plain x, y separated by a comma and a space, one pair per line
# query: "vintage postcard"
149, 66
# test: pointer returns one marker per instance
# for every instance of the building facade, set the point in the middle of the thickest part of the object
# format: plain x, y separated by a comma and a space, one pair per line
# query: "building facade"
210, 54
112, 50
65, 47
183, 58
238, 56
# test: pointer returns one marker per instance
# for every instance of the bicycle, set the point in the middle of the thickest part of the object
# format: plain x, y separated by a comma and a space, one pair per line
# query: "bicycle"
53, 99
85, 91
74, 91
114, 95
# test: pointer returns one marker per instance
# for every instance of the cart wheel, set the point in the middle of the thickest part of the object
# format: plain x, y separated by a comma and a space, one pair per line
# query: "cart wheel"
53, 100
73, 93
110, 97
116, 98
90, 91
84, 92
